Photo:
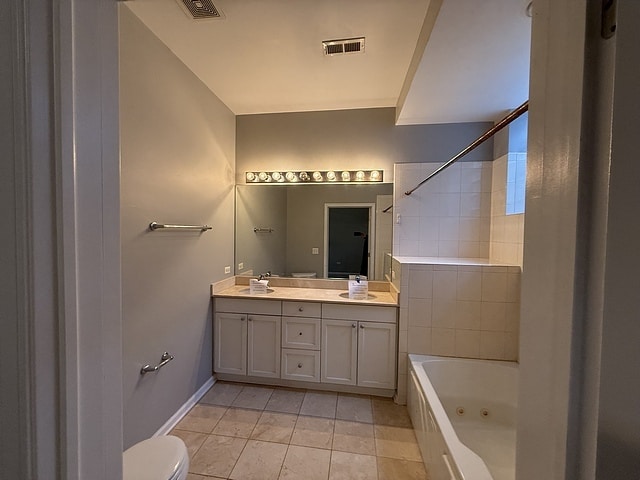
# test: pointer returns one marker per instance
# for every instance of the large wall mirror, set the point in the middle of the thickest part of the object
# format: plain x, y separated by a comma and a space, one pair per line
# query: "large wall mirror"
323, 231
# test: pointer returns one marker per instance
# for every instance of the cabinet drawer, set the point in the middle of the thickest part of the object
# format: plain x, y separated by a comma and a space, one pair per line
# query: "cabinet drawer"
301, 333
365, 313
241, 305
301, 309
300, 365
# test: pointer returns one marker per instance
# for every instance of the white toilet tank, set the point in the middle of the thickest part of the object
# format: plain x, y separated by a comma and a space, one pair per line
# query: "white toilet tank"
303, 274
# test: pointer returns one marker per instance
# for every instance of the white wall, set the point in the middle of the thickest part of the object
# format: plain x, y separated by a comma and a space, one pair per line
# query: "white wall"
178, 157
551, 241
61, 345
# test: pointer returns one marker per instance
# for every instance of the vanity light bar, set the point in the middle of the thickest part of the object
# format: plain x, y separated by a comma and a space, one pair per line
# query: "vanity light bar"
318, 176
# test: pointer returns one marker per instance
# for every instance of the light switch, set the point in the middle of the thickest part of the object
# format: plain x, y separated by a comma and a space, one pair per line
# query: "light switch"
227, 269
240, 266
315, 251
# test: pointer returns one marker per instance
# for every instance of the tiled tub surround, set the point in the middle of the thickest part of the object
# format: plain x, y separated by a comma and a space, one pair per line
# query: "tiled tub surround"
252, 432
456, 307
449, 216
507, 231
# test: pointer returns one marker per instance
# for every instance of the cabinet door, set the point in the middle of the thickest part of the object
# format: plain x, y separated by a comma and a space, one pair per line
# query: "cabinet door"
230, 343
339, 351
263, 359
376, 355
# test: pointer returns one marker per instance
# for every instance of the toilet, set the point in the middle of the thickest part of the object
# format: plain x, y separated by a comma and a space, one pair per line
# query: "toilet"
303, 274
158, 458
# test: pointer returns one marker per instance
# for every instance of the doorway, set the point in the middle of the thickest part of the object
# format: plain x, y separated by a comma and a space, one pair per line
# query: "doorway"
348, 239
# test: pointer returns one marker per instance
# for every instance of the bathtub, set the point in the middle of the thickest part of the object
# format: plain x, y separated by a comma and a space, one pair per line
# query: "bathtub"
463, 412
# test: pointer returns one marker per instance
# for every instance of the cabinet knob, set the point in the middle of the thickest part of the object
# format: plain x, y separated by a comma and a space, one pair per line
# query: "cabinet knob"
361, 326
301, 309
300, 333
299, 365
353, 325
249, 318
242, 319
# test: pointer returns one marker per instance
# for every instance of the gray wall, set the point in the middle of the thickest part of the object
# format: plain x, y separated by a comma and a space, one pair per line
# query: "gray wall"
178, 155
12, 436
366, 138
262, 207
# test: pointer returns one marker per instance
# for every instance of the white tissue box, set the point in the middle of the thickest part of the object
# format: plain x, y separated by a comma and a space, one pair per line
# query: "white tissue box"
258, 287
358, 289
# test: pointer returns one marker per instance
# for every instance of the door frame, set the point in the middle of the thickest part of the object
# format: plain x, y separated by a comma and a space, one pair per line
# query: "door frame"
371, 233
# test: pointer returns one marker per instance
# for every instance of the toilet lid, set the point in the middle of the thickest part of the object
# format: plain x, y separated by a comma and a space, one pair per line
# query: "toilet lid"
158, 458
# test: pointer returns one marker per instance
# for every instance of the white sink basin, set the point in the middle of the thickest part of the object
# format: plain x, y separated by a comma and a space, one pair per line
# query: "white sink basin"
346, 295
248, 291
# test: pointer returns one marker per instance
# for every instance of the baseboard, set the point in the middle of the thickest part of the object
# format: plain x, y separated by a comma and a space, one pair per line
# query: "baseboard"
184, 409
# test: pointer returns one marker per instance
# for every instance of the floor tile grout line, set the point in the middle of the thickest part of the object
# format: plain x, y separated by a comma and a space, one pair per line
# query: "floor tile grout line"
335, 418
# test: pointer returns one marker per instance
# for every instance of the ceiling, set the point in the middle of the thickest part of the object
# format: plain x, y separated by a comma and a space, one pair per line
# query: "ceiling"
437, 61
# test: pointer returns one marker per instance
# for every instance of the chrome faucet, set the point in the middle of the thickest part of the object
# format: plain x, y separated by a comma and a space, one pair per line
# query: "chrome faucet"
262, 276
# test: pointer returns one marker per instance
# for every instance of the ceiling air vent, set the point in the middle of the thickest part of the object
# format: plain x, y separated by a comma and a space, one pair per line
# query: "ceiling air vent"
344, 46
199, 9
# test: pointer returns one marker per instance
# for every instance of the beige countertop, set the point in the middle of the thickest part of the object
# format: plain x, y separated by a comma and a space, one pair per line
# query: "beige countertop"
325, 295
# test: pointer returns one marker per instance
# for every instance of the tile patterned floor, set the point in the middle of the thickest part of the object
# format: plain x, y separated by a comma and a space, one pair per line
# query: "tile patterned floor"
247, 432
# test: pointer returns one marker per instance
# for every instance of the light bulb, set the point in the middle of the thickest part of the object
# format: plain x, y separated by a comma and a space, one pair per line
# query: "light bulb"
359, 176
331, 176
251, 176
375, 175
346, 176
263, 176
291, 177
317, 176
277, 176
304, 176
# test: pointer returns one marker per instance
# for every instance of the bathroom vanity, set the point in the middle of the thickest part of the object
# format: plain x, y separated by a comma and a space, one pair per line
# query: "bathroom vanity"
307, 337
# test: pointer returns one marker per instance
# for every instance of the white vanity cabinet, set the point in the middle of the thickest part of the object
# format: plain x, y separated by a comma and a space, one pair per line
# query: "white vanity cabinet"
301, 341
247, 337
359, 345
288, 342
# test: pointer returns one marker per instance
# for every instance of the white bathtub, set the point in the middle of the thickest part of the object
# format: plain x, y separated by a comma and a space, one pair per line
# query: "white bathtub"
463, 412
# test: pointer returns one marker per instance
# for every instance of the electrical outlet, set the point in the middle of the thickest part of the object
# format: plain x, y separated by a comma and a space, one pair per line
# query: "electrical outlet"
240, 266
315, 251
227, 269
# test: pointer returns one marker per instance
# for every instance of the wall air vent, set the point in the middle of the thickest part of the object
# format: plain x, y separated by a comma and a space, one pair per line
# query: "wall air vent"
200, 9
344, 46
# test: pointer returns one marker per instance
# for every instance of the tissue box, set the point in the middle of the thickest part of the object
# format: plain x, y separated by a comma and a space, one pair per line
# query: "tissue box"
358, 287
258, 287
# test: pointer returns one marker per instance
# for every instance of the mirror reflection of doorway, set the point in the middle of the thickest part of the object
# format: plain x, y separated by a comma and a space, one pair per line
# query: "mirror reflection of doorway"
348, 239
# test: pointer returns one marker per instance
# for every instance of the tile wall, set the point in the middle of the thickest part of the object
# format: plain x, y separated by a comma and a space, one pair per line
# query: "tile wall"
447, 217
507, 194
467, 311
